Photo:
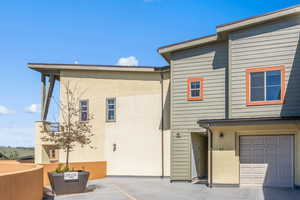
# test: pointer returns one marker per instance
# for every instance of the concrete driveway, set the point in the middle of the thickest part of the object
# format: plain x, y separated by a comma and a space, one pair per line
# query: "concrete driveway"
114, 188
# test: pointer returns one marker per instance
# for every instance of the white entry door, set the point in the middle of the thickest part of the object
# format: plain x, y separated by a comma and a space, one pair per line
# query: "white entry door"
267, 160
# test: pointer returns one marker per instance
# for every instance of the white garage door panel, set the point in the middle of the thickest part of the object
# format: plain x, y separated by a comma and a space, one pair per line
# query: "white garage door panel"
252, 174
266, 160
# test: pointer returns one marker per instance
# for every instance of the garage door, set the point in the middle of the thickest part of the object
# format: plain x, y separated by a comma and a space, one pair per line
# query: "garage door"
266, 160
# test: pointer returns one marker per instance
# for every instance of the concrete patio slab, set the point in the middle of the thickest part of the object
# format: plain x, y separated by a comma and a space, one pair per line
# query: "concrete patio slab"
116, 188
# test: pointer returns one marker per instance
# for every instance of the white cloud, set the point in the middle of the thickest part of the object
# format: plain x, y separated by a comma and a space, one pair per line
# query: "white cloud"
5, 111
13, 136
129, 61
33, 108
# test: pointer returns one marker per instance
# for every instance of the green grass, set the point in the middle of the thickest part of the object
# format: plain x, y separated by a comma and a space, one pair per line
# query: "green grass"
16, 152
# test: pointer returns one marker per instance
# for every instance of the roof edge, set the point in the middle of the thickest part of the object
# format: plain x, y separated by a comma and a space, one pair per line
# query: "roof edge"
186, 44
89, 67
243, 121
165, 50
258, 19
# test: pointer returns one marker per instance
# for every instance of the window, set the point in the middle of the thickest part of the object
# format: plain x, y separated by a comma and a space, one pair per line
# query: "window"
54, 127
265, 85
111, 109
195, 89
84, 105
52, 152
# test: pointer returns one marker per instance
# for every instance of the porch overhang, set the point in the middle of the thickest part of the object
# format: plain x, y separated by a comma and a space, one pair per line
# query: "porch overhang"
248, 121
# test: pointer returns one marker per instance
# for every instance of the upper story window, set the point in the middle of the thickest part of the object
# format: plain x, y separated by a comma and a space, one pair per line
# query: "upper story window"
111, 109
195, 89
265, 85
52, 152
53, 155
84, 109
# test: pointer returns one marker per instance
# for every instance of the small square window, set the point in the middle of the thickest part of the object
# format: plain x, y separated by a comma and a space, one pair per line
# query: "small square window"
195, 89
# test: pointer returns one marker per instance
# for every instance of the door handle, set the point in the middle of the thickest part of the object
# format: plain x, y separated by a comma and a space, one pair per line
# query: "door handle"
114, 147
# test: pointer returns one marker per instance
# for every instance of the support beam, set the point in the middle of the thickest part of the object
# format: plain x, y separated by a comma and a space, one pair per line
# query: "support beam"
43, 93
48, 97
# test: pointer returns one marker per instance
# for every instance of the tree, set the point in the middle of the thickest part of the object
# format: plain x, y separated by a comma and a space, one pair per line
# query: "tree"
71, 130
13, 155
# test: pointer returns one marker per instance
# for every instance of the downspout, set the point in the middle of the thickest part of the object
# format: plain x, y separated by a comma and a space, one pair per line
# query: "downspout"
162, 124
211, 155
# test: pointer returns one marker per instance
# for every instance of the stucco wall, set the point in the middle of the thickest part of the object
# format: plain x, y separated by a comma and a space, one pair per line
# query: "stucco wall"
226, 150
137, 137
137, 130
225, 162
40, 155
21, 181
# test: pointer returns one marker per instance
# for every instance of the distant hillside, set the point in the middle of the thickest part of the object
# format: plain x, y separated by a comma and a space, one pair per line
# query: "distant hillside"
13, 153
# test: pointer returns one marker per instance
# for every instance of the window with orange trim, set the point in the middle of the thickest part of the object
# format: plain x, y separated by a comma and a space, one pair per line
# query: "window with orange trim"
265, 86
195, 89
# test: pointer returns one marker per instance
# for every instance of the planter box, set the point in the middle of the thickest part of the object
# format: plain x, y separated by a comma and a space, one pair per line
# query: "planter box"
61, 186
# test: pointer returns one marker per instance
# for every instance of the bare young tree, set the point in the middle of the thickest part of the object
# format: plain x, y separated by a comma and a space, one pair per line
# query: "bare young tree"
71, 130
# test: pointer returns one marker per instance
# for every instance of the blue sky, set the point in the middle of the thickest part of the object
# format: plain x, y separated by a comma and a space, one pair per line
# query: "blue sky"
95, 32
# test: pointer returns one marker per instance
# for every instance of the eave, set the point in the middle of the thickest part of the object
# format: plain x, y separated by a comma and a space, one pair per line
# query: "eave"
224, 29
248, 121
49, 68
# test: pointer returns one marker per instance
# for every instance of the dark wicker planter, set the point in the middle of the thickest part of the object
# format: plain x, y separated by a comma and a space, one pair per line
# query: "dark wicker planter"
61, 186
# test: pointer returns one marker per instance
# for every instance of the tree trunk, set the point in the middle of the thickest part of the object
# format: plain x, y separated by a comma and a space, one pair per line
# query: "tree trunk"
67, 158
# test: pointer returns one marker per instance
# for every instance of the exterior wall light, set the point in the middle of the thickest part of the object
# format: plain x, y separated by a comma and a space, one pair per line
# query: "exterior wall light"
221, 135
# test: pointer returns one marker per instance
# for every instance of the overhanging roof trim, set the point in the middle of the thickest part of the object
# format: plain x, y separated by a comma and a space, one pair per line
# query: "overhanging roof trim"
188, 43
164, 50
243, 121
57, 67
258, 19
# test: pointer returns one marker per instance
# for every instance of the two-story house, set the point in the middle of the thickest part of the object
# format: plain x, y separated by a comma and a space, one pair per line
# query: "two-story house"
238, 93
234, 108
130, 125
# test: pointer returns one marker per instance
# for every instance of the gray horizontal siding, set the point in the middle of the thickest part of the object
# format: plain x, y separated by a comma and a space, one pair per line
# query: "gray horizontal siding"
180, 155
208, 62
266, 45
